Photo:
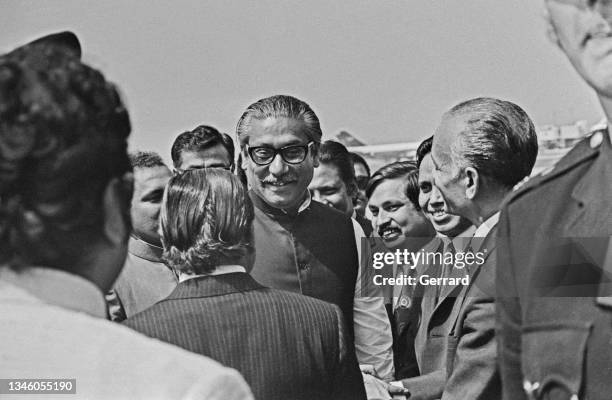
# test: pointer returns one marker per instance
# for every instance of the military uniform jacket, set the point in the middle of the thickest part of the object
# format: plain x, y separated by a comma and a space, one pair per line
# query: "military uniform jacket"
555, 338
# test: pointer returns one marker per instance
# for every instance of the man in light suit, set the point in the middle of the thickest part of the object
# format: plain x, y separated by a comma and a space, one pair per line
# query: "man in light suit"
438, 310
144, 279
65, 188
555, 253
482, 148
286, 345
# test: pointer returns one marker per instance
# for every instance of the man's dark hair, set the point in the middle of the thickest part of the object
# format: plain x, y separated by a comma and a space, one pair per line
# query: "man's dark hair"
200, 138
146, 159
336, 154
357, 159
279, 106
423, 149
63, 138
499, 141
399, 169
206, 220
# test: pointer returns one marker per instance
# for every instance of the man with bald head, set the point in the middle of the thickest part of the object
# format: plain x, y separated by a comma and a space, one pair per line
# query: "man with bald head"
555, 257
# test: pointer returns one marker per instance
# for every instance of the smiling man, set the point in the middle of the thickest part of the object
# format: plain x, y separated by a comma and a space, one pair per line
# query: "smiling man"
430, 199
333, 184
300, 245
555, 253
399, 223
439, 305
394, 216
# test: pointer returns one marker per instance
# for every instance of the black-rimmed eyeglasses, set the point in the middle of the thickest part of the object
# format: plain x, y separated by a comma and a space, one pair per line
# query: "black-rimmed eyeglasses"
264, 155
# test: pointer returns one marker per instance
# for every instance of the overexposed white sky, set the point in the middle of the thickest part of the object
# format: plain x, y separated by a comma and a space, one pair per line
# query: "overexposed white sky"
385, 70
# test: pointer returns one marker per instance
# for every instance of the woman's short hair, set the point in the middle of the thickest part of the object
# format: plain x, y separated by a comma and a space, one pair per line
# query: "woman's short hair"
206, 221
399, 169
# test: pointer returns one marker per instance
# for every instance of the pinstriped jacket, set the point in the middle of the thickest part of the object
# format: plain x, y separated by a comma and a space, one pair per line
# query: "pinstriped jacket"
287, 346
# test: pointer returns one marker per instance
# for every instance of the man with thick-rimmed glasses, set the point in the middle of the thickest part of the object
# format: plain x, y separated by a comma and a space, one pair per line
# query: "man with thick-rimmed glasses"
300, 245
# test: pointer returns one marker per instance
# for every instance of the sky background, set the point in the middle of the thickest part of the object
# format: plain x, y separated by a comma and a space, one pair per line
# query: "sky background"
383, 70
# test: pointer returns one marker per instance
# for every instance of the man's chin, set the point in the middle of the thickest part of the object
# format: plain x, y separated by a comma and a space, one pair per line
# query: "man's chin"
393, 244
278, 201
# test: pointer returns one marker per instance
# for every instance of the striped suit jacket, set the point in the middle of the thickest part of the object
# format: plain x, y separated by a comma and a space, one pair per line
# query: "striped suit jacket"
287, 346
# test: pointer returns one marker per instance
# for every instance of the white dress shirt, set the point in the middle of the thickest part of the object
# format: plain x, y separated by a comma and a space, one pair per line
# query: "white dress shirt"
483, 230
373, 338
53, 326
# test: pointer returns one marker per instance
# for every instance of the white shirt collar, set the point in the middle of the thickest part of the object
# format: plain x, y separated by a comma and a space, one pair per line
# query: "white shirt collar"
306, 203
220, 270
462, 240
58, 288
483, 230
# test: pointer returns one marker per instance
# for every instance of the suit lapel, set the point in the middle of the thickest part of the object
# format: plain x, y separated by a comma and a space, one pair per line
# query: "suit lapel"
428, 292
453, 292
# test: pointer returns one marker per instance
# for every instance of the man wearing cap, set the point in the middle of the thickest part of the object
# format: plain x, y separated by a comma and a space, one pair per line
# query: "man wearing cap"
555, 257
65, 188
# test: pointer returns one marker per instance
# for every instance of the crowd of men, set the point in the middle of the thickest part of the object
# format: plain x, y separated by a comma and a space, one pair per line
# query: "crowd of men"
245, 271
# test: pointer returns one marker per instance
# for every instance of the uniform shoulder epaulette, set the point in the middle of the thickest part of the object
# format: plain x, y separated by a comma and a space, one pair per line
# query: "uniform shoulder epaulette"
582, 151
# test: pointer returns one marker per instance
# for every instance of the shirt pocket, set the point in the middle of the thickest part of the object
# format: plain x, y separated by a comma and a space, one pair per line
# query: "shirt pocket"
553, 360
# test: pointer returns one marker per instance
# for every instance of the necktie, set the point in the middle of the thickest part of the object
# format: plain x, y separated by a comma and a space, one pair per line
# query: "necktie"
447, 266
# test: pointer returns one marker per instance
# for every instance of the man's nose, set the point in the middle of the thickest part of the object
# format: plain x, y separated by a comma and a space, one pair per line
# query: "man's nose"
382, 218
435, 197
277, 166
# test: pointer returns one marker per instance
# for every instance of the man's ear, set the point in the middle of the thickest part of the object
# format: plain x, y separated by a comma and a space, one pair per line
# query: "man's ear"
551, 31
244, 162
472, 182
116, 208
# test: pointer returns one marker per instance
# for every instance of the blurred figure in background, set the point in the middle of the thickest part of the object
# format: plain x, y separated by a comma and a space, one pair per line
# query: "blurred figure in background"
203, 147
65, 188
287, 346
145, 279
362, 177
